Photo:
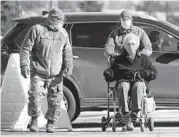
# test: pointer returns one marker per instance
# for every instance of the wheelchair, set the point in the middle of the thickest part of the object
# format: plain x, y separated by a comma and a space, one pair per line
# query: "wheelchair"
145, 119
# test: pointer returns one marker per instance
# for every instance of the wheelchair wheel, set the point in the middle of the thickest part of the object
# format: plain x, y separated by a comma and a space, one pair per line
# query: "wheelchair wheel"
114, 125
150, 123
103, 124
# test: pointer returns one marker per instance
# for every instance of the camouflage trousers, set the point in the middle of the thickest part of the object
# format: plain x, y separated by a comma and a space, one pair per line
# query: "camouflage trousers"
53, 87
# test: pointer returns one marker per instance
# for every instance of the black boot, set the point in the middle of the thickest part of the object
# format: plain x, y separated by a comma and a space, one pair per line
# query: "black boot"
50, 128
33, 125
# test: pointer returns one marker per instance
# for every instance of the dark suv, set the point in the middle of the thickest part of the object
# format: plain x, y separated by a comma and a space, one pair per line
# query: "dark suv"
87, 89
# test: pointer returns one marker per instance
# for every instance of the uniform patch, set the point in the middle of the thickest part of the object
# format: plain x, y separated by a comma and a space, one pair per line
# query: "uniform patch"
118, 39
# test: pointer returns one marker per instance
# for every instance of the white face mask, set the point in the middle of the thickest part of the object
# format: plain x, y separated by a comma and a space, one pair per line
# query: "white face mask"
126, 24
56, 25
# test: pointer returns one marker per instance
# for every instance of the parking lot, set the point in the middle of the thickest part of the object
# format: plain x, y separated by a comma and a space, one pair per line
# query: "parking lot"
36, 50
88, 125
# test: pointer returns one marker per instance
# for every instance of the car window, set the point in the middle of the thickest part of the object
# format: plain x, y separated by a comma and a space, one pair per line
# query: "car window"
91, 34
15, 37
20, 36
161, 41
7, 41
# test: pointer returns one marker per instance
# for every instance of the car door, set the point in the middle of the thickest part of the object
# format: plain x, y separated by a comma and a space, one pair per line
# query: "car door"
88, 40
166, 59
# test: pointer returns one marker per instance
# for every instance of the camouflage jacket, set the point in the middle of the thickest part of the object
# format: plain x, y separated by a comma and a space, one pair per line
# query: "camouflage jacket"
48, 52
114, 44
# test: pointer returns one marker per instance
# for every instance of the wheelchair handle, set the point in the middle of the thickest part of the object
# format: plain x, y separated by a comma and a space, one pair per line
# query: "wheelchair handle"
110, 57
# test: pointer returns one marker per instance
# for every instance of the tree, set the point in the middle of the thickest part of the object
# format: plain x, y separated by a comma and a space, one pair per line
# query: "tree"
69, 6
168, 8
151, 6
7, 13
91, 6
85, 6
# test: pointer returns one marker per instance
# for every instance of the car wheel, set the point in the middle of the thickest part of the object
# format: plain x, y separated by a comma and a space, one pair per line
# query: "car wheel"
70, 102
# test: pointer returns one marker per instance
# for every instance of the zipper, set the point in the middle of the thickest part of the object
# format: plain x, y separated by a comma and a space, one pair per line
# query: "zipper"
52, 52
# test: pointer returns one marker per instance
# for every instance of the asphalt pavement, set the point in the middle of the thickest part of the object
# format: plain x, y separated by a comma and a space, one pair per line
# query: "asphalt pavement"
88, 124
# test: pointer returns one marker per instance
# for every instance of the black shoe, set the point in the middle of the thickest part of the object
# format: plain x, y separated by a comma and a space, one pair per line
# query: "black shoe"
134, 116
50, 127
33, 125
118, 116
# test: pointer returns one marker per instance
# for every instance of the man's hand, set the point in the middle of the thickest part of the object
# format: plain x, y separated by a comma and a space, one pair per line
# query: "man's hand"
68, 71
108, 75
25, 71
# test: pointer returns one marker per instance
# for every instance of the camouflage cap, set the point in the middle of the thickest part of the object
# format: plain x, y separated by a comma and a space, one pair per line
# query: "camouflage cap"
56, 15
125, 13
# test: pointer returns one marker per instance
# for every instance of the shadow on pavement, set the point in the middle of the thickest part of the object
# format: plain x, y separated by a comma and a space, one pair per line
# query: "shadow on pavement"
157, 124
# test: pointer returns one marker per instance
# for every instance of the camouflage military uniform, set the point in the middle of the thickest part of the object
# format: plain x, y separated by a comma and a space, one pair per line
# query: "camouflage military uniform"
54, 96
114, 44
50, 53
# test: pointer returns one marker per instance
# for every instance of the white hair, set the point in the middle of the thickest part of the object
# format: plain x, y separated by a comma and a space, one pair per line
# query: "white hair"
131, 36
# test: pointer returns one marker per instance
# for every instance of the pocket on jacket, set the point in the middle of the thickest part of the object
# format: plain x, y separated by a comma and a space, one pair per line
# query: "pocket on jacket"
45, 40
58, 45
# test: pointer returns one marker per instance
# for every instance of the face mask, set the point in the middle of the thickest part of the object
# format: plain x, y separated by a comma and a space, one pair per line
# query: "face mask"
56, 26
126, 24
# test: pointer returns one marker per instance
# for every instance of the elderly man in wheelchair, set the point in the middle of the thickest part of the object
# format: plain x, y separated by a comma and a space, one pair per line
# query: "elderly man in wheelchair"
132, 72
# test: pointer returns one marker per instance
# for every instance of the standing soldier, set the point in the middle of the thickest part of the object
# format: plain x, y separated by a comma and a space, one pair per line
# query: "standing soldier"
114, 45
47, 48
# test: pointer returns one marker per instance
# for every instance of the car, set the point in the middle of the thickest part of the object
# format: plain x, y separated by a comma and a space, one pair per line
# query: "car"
86, 89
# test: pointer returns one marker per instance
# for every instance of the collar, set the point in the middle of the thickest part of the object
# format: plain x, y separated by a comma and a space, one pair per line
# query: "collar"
138, 54
50, 27
122, 30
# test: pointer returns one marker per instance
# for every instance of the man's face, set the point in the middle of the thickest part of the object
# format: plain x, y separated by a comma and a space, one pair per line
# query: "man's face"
126, 22
131, 46
56, 23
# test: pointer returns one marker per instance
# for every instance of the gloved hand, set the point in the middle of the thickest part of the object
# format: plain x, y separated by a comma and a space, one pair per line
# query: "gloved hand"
108, 75
144, 73
68, 71
25, 72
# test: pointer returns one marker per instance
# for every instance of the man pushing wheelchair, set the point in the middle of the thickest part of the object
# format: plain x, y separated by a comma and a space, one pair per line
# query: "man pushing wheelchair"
132, 72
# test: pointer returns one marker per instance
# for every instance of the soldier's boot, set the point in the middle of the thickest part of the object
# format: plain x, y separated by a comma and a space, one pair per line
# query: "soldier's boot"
33, 125
50, 127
